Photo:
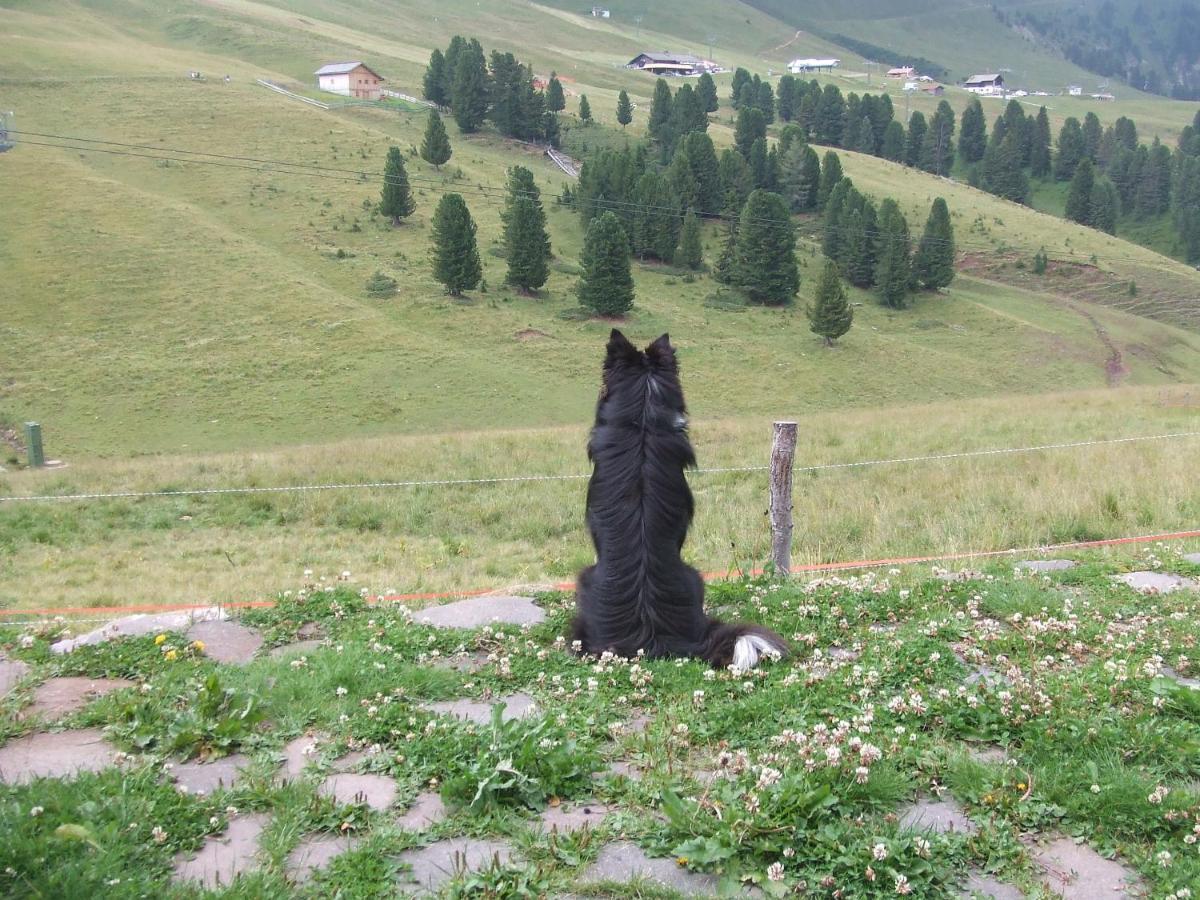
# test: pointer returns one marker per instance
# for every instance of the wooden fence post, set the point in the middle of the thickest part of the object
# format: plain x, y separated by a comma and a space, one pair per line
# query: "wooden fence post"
33, 445
783, 452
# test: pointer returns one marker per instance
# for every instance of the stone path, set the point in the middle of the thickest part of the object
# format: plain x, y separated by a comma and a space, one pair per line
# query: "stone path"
426, 810
315, 851
1193, 558
624, 861
1157, 582
574, 817
471, 662
60, 755
11, 672
1193, 683
206, 777
299, 648
625, 769
298, 753
1046, 565
475, 612
980, 885
222, 859
939, 816
516, 706
1077, 872
226, 642
135, 626
58, 697
989, 754
435, 864
376, 791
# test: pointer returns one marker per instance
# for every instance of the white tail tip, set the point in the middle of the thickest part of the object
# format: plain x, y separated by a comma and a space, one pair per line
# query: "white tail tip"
750, 649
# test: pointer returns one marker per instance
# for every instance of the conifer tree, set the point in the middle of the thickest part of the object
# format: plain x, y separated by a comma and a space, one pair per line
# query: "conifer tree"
434, 83
757, 160
830, 315
933, 264
690, 252
585, 109
705, 169
830, 116
750, 127
660, 111
469, 88
455, 255
972, 141
917, 127
857, 245
893, 142
766, 101
832, 226
655, 229
435, 147
1186, 214
606, 287
831, 174
785, 98
723, 272
706, 90
687, 114
748, 95
396, 201
526, 243
458, 44
736, 181
740, 79
1103, 206
893, 271
1079, 196
800, 177
937, 151
556, 100
866, 137
1071, 150
1039, 146
1091, 131
764, 266
624, 109
1001, 172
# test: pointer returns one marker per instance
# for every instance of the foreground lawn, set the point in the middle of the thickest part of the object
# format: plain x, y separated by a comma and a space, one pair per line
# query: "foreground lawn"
1038, 707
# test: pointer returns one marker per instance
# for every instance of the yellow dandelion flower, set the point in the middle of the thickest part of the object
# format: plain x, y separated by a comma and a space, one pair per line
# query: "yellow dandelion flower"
170, 655
681, 860
160, 640
1021, 786
198, 646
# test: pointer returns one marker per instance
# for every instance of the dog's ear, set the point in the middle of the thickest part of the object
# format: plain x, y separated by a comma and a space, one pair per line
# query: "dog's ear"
619, 347
662, 354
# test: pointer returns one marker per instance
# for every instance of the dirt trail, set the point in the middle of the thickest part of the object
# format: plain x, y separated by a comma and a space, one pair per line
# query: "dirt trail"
795, 37
1115, 369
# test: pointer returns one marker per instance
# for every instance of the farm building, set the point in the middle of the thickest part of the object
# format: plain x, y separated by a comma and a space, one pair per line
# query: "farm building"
601, 12
671, 64
984, 84
934, 90
350, 79
901, 72
1075, 90
799, 66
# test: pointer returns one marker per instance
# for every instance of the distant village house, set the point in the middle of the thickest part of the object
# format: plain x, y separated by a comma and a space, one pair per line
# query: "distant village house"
350, 79
672, 64
800, 66
987, 85
1075, 90
901, 72
601, 12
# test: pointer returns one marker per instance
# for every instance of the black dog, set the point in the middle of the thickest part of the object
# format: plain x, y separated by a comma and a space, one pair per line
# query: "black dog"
640, 595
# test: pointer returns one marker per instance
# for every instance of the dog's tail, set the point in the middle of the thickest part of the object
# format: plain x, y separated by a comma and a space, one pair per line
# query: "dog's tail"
740, 645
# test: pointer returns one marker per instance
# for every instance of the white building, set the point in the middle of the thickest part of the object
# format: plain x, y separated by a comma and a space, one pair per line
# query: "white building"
1075, 90
987, 85
350, 79
798, 66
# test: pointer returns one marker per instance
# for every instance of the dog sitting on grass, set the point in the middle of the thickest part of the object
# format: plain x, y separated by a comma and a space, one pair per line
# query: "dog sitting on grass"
640, 595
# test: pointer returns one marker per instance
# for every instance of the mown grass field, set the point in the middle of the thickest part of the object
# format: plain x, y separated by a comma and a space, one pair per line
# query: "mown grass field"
1044, 708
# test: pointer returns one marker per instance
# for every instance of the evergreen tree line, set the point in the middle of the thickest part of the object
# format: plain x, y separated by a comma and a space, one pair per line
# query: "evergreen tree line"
498, 89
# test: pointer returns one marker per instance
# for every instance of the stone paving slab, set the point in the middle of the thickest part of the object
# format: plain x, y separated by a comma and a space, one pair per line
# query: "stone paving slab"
424, 811
298, 753
11, 672
624, 861
1157, 582
1046, 565
1193, 683
980, 885
467, 663
223, 858
939, 816
296, 649
435, 864
516, 706
139, 625
227, 642
475, 612
314, 852
1077, 872
206, 777
989, 753
625, 769
376, 791
59, 755
58, 697
1193, 558
577, 816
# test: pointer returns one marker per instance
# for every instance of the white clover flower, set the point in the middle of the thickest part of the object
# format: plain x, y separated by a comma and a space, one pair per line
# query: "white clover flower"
158, 834
880, 852
1095, 788
1164, 859
775, 871
36, 811
902, 885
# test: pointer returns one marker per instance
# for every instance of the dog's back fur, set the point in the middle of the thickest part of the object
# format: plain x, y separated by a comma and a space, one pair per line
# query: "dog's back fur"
640, 595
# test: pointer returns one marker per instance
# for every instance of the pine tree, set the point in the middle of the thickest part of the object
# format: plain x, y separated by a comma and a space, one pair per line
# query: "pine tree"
1039, 146
683, 189
455, 255
933, 264
434, 82
706, 90
469, 90
893, 271
585, 110
1187, 206
866, 137
1079, 196
785, 98
690, 252
454, 51
526, 243
1092, 131
606, 287
858, 244
397, 201
741, 78
764, 264
830, 315
757, 161
937, 151
750, 127
736, 181
833, 225
556, 100
831, 174
917, 127
1071, 150
972, 142
624, 109
1001, 173
800, 176
687, 113
1103, 206
706, 174
893, 142
766, 101
656, 220
830, 116
435, 148
660, 111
